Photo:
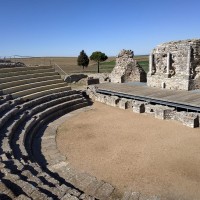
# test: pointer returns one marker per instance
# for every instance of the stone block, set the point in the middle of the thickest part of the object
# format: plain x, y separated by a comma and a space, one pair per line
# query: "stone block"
150, 109
92, 81
191, 121
112, 100
163, 112
123, 103
100, 97
138, 107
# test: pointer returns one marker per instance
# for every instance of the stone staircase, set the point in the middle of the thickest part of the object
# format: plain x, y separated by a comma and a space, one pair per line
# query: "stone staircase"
31, 97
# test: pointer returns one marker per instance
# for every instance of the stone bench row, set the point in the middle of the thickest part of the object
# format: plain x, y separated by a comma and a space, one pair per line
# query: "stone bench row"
25, 72
22, 88
31, 181
33, 107
68, 194
189, 119
4, 98
12, 80
38, 103
6, 86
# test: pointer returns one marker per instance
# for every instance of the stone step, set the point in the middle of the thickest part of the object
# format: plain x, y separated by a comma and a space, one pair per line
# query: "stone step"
17, 120
60, 106
48, 97
26, 76
51, 103
22, 197
41, 182
16, 73
4, 106
20, 186
4, 98
16, 69
27, 81
21, 88
36, 186
19, 139
8, 115
47, 90
32, 92
5, 192
46, 119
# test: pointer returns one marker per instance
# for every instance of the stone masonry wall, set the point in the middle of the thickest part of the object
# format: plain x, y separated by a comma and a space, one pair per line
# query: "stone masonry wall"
175, 65
189, 119
127, 69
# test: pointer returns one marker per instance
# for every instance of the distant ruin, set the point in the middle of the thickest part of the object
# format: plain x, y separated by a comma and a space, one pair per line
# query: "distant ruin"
127, 69
175, 65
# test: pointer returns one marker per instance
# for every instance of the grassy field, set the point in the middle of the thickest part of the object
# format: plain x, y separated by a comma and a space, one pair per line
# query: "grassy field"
69, 64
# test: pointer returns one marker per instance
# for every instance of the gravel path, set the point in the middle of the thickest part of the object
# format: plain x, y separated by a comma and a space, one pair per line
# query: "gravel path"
132, 150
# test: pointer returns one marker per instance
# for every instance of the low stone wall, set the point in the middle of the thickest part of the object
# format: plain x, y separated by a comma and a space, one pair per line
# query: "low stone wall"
74, 78
189, 119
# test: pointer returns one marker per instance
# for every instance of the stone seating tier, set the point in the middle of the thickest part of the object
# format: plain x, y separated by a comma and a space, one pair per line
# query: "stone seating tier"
24, 103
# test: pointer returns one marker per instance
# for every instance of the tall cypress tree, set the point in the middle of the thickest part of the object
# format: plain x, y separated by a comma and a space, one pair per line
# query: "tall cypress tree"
83, 59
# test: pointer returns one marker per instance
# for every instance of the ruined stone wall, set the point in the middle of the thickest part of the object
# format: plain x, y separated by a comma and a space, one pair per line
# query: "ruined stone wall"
175, 65
189, 119
127, 69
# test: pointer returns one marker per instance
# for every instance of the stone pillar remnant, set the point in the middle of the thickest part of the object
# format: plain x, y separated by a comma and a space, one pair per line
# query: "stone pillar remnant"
150, 63
188, 60
127, 69
168, 62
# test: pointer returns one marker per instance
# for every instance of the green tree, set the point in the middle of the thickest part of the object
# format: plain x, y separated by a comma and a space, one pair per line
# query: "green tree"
83, 59
98, 57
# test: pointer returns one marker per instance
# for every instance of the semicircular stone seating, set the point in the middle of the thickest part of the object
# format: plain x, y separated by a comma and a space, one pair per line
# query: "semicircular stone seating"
31, 166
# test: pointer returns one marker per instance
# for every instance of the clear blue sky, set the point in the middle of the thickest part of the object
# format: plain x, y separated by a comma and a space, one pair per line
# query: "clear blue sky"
65, 27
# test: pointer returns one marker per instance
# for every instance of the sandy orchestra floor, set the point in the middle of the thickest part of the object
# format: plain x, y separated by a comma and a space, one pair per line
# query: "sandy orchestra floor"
132, 150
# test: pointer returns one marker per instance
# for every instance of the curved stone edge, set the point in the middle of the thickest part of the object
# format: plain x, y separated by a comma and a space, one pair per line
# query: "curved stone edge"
58, 163
85, 182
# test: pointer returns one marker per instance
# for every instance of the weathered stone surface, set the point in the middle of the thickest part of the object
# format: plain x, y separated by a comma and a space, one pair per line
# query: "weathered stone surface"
74, 77
111, 100
92, 81
138, 106
104, 191
163, 112
124, 103
103, 77
127, 69
175, 65
22, 197
130, 195
150, 109
191, 120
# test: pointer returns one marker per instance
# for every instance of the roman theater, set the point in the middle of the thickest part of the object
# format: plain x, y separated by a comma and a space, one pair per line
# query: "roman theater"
130, 136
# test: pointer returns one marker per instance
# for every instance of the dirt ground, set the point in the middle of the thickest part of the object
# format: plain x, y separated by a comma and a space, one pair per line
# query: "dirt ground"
136, 151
